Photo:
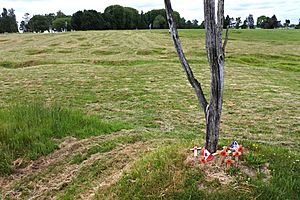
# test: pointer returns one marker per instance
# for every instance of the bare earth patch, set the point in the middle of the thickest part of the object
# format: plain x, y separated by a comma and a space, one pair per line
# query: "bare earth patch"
214, 172
211, 170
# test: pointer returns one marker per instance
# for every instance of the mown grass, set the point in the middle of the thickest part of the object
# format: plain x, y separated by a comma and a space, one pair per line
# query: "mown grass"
29, 131
108, 146
104, 81
163, 174
87, 174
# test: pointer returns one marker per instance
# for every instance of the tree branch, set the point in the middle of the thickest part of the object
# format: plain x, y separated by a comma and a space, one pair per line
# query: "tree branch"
221, 50
220, 16
189, 73
226, 40
220, 26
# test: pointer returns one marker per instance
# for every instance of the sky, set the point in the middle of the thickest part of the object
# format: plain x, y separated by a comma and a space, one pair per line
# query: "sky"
189, 9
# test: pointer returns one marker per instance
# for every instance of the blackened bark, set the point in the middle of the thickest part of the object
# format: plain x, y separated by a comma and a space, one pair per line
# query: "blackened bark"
215, 54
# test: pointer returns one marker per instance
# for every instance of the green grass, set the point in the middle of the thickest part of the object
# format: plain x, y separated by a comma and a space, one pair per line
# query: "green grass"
30, 131
98, 82
163, 174
108, 146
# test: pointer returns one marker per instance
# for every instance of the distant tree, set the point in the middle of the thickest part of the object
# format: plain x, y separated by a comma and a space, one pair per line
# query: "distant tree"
232, 23
38, 23
62, 24
195, 23
298, 26
287, 23
238, 21
60, 14
268, 23
250, 21
261, 21
182, 22
274, 22
4, 21
114, 15
94, 19
117, 17
142, 21
13, 26
226, 22
151, 15
24, 22
202, 25
22, 26
8, 21
76, 20
245, 24
60, 21
177, 18
159, 22
131, 18
189, 24
50, 17
87, 20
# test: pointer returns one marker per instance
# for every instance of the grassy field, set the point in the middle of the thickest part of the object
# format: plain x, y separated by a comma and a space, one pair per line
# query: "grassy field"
104, 115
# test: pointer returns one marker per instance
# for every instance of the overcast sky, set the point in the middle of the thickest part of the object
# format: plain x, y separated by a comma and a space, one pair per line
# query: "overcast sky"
189, 9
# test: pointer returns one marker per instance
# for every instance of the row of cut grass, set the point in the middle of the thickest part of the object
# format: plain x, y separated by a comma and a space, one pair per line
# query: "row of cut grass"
29, 131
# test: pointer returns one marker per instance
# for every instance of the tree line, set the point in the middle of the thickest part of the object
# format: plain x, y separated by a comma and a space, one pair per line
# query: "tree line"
117, 17
114, 17
263, 22
8, 21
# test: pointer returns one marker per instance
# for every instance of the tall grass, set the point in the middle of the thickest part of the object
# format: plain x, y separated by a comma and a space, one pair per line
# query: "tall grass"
28, 131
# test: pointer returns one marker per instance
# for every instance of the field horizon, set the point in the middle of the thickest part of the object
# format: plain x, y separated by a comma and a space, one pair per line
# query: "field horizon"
111, 115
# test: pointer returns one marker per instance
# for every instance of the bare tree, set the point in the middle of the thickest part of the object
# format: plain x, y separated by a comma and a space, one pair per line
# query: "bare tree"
215, 54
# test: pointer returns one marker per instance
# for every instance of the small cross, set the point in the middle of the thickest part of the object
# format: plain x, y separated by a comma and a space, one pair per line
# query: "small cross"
195, 149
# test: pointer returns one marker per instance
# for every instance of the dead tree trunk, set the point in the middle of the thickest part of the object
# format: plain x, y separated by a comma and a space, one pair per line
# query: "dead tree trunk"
215, 54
